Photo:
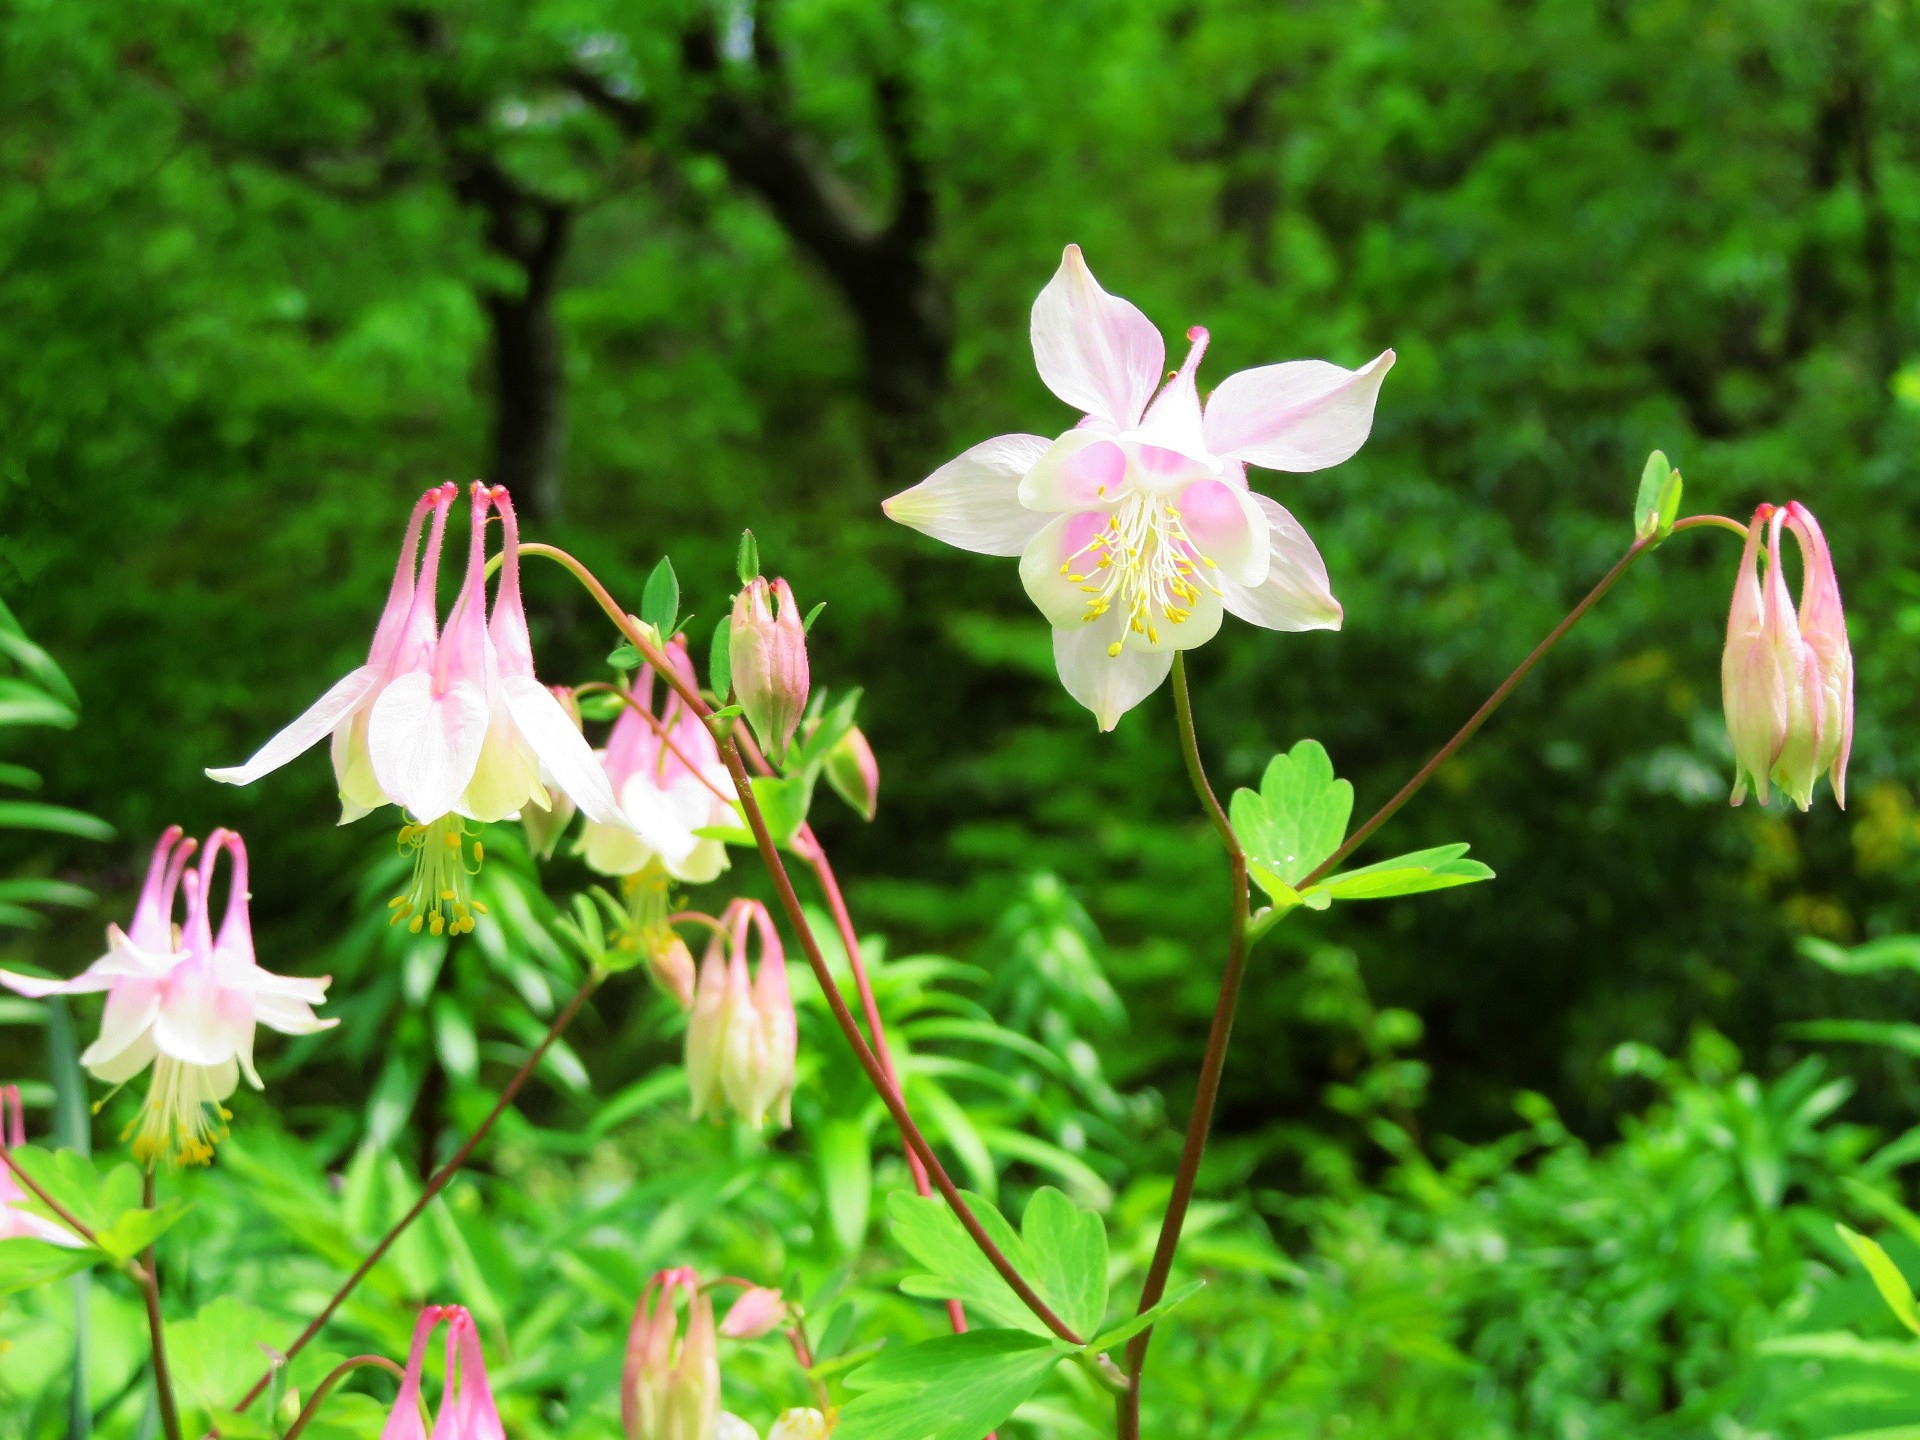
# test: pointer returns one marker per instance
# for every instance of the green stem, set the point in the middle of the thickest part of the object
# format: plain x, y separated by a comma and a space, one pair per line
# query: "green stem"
334, 1377
1212, 1064
157, 1330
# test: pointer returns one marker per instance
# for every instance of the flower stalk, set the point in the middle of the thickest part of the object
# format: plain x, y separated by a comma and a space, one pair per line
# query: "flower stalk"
168, 1405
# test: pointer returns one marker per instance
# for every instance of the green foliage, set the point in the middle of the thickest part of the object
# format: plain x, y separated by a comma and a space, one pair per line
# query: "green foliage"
950, 1389
1657, 505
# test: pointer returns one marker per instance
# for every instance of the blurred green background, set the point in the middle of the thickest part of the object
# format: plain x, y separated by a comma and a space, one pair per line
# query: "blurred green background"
269, 267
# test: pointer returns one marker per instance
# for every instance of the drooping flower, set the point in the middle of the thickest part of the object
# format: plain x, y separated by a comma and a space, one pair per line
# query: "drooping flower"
189, 1009
467, 1410
1823, 626
757, 1312
767, 650
546, 824
16, 1221
742, 1039
447, 722
670, 1385
665, 768
1787, 678
402, 640
1136, 529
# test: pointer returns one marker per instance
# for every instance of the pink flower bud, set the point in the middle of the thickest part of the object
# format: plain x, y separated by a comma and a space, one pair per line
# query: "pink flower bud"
767, 652
755, 1313
854, 773
670, 963
670, 1386
1823, 626
742, 1039
466, 1410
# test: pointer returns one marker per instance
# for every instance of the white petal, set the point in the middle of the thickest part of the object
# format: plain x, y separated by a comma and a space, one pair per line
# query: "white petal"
35, 987
119, 1068
1303, 415
612, 850
1296, 594
561, 748
507, 773
125, 1023
1082, 470
425, 748
303, 734
1108, 685
200, 1025
1095, 351
972, 501
1228, 528
702, 863
1055, 563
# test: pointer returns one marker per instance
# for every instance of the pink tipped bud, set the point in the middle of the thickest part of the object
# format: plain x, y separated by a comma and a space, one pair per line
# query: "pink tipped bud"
1823, 626
743, 1038
670, 1386
670, 963
854, 773
767, 653
757, 1312
1760, 662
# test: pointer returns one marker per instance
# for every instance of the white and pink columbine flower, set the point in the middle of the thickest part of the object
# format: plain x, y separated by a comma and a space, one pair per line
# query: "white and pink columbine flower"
1136, 529
467, 1410
665, 767
187, 1002
670, 1384
16, 1221
447, 722
743, 1038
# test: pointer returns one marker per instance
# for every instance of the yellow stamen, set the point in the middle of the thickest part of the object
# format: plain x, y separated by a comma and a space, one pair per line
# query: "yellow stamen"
438, 899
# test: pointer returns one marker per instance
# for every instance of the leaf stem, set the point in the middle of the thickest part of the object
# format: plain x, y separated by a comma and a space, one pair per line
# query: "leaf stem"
334, 1377
1212, 1064
878, 1075
157, 1330
65, 1216
439, 1181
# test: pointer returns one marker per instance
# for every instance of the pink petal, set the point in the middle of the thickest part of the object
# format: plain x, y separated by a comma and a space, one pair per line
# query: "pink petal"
1296, 594
1303, 415
1095, 351
1081, 470
1226, 527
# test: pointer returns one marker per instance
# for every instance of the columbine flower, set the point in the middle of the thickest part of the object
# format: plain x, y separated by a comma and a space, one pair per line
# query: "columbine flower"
17, 1222
665, 768
1136, 529
190, 1008
742, 1039
467, 1410
670, 1385
1787, 679
767, 649
757, 1312
448, 723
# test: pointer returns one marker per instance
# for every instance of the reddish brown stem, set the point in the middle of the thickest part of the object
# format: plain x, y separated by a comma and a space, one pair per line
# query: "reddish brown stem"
169, 1406
435, 1185
65, 1216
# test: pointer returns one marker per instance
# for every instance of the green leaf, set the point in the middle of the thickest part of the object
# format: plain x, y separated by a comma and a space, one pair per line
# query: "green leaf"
26, 1262
1647, 502
719, 660
1296, 819
930, 1232
624, 657
1898, 1035
1887, 1279
24, 704
30, 815
1127, 1329
846, 1176
1068, 1249
806, 625
221, 1351
958, 1387
1876, 957
660, 600
747, 561
1440, 868
136, 1229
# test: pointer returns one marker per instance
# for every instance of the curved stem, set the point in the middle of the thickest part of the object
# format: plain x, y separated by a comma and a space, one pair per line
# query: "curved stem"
334, 1377
877, 1074
1212, 1064
157, 1330
1694, 522
1480, 717
65, 1216
438, 1183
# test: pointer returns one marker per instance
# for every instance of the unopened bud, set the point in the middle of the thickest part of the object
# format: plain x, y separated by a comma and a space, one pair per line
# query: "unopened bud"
1823, 626
742, 1038
670, 963
799, 1425
755, 1313
670, 1386
767, 652
545, 824
854, 773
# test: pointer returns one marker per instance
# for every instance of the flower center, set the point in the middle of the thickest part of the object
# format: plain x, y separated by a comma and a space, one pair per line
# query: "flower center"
440, 897
1143, 561
182, 1119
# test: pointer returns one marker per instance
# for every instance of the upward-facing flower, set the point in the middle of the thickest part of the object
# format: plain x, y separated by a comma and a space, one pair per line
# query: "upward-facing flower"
467, 1410
1136, 529
16, 1222
188, 1004
670, 1386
